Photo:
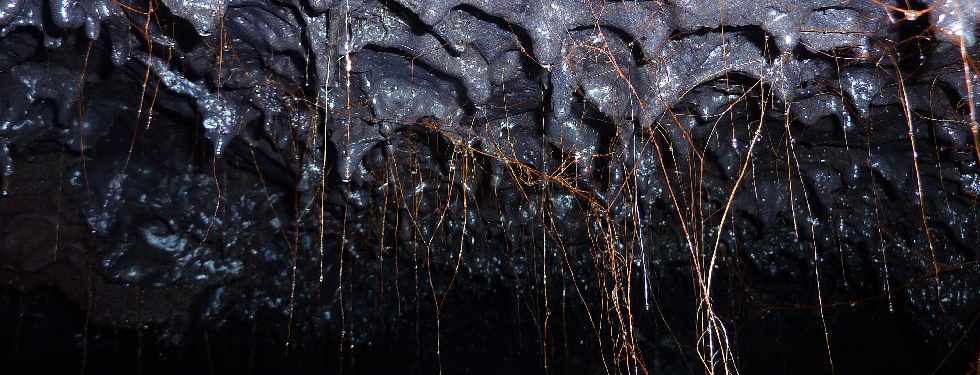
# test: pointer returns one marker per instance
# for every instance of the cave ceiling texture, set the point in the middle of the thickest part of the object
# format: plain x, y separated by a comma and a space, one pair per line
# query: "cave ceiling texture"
490, 186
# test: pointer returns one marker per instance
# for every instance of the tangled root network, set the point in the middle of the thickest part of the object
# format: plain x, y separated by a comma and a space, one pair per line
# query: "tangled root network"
491, 186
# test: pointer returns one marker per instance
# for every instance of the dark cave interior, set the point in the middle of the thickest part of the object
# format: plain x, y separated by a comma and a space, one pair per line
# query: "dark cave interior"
490, 186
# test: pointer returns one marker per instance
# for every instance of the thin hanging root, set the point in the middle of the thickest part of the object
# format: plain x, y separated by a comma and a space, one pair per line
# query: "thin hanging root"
464, 174
791, 155
907, 111
716, 326
968, 81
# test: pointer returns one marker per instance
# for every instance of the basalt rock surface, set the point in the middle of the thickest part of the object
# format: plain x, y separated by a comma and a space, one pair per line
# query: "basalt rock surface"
490, 186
